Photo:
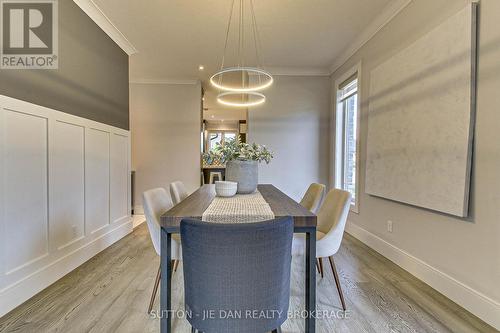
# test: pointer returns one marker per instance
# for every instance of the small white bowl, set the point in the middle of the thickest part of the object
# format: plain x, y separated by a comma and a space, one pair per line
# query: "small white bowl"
225, 188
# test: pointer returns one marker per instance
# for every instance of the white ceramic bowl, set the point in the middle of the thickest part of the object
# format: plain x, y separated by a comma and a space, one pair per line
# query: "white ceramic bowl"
225, 189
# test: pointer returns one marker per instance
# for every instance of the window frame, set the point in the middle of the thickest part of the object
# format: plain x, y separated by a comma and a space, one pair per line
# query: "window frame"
354, 71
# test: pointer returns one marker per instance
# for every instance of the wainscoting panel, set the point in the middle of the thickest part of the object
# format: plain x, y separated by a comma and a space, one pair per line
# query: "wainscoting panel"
2, 199
61, 176
96, 180
67, 179
120, 178
25, 189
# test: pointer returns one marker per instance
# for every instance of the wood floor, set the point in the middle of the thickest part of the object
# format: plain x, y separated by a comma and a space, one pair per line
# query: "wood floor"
110, 293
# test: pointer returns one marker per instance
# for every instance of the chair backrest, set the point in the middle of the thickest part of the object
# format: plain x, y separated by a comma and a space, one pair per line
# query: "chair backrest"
178, 192
332, 217
312, 198
155, 202
232, 268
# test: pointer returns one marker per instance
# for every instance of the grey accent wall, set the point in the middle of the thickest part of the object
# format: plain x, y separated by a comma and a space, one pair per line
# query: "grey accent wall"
467, 250
92, 79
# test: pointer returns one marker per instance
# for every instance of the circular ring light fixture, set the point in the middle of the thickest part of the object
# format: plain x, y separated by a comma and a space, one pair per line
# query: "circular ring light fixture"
259, 99
248, 70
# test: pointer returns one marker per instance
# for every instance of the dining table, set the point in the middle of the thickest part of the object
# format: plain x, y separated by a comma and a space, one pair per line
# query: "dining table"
197, 203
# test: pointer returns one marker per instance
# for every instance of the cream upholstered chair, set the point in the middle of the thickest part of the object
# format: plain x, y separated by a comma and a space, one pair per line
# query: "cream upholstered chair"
312, 198
178, 192
156, 202
332, 217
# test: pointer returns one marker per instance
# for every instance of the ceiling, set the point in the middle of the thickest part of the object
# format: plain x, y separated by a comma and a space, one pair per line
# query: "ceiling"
174, 37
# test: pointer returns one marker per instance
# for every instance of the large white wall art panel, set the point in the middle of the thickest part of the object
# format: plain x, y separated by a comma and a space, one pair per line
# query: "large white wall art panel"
421, 119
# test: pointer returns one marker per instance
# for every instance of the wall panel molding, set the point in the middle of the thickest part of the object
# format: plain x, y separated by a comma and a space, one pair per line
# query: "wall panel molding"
119, 179
97, 180
67, 176
23, 289
2, 202
25, 175
56, 194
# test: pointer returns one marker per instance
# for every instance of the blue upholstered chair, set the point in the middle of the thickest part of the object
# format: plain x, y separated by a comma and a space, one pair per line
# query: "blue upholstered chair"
231, 270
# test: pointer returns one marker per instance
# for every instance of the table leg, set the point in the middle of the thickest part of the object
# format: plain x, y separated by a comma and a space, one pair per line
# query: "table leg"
310, 281
166, 282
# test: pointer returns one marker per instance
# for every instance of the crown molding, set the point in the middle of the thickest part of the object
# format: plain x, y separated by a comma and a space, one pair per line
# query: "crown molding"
389, 12
163, 81
98, 16
298, 71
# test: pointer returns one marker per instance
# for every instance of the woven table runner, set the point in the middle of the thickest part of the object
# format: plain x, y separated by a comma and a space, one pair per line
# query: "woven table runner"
242, 208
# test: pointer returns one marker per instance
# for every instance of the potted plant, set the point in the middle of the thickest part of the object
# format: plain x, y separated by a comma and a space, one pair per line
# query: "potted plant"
242, 162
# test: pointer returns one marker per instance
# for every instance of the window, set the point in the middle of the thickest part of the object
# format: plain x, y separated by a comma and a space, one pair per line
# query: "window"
215, 138
346, 137
229, 136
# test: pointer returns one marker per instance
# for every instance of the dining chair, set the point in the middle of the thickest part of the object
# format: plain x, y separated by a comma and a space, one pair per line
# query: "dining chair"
332, 217
178, 191
313, 196
156, 202
230, 269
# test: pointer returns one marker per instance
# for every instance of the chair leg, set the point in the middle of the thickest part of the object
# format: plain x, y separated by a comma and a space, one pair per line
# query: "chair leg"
175, 265
278, 330
337, 282
320, 260
317, 266
155, 289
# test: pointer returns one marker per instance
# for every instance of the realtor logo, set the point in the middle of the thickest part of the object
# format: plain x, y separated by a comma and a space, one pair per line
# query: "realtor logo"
29, 34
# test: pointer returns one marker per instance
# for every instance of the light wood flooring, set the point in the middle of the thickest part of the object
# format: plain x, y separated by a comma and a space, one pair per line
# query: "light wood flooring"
110, 293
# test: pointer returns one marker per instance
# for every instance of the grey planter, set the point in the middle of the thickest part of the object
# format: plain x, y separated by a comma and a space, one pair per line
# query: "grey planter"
245, 173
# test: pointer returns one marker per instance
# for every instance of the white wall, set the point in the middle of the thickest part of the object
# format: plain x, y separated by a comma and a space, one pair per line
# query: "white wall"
294, 123
459, 257
231, 125
64, 195
165, 123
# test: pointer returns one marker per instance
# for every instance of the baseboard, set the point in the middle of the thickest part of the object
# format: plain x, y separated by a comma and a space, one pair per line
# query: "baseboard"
137, 220
139, 210
472, 300
16, 294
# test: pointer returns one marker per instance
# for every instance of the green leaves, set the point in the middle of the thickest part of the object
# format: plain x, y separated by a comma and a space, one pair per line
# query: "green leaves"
234, 149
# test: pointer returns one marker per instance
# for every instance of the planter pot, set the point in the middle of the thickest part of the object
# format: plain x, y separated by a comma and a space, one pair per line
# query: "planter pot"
245, 173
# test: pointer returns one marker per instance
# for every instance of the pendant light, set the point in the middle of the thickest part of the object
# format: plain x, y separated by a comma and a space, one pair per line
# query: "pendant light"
246, 93
241, 99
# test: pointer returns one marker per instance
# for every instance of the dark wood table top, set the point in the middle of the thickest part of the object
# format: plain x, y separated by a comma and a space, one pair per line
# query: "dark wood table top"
281, 205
